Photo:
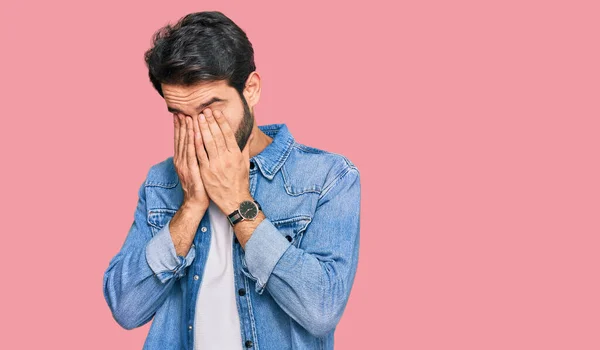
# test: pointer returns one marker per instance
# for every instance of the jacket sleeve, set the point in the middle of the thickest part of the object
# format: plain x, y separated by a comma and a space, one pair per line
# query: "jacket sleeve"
141, 275
312, 282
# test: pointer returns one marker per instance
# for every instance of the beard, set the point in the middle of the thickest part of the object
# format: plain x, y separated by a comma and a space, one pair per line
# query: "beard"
245, 129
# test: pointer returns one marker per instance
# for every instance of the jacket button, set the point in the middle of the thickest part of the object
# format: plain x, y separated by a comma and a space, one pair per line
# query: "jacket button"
289, 238
242, 292
251, 167
248, 343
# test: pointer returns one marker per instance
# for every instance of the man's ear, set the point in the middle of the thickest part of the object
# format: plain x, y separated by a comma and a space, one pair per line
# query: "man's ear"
252, 89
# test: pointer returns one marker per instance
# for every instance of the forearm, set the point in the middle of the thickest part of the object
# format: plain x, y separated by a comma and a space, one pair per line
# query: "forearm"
183, 227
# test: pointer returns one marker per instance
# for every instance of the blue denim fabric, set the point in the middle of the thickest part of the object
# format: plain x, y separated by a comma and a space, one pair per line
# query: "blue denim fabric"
297, 269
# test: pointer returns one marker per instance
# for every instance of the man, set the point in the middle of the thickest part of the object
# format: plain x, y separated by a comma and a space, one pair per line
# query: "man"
244, 238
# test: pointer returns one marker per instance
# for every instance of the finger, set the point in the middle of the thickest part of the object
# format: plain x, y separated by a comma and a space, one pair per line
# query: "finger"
192, 161
184, 147
199, 145
181, 135
207, 138
215, 130
228, 134
176, 133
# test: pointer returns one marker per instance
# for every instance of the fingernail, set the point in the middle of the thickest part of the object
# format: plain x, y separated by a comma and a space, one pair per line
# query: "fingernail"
202, 117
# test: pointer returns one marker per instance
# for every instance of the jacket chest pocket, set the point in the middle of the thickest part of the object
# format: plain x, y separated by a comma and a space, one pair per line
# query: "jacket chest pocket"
158, 218
292, 228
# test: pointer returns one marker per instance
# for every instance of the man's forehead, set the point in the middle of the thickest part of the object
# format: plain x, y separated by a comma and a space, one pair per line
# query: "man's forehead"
190, 100
182, 93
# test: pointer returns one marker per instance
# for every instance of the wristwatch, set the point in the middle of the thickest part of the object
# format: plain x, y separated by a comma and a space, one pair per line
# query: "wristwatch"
248, 210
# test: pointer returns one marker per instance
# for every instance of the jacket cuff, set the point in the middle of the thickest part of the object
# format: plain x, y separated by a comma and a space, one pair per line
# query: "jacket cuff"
162, 257
262, 252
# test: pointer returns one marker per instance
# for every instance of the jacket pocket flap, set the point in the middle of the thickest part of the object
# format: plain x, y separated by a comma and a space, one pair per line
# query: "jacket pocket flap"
158, 217
292, 228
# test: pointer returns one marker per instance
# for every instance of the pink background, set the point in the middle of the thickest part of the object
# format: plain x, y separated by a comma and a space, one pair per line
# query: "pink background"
476, 123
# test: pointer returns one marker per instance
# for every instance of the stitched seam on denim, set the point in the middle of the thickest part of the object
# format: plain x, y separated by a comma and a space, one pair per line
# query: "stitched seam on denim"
159, 210
270, 128
335, 182
290, 220
282, 158
309, 149
288, 188
160, 184
251, 312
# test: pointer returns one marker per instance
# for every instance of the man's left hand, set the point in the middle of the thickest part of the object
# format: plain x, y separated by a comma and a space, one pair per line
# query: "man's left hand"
225, 169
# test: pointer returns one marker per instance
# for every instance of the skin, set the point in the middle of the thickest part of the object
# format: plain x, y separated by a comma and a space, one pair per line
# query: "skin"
213, 147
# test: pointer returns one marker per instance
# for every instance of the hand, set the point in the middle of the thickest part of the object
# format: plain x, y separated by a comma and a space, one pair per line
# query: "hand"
224, 168
186, 162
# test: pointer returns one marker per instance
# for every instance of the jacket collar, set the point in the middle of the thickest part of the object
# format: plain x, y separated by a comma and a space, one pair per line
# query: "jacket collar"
272, 157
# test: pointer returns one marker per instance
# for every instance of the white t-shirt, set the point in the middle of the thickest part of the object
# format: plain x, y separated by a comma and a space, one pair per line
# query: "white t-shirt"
217, 322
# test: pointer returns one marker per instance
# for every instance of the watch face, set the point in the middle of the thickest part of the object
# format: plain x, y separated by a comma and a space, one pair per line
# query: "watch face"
248, 210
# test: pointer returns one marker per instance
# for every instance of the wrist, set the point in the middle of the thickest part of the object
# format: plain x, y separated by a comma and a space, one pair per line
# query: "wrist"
193, 209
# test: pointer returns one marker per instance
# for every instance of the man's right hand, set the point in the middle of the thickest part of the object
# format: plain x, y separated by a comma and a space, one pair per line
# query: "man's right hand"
186, 161
185, 222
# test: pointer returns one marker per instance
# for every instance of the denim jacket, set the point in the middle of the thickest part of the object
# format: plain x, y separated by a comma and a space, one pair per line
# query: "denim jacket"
292, 279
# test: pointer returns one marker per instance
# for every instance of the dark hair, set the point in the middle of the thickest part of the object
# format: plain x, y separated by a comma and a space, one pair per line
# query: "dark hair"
202, 46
